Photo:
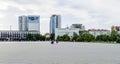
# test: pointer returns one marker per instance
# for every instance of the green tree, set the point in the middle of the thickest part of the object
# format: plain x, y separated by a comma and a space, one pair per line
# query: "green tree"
75, 36
113, 35
43, 38
66, 37
81, 33
103, 37
59, 38
29, 37
47, 39
79, 39
38, 36
88, 37
52, 36
118, 40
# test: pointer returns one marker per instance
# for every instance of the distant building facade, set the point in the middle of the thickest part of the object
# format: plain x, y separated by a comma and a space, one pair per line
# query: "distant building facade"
55, 22
116, 28
74, 28
33, 23
23, 23
68, 31
29, 23
97, 32
15, 35
79, 26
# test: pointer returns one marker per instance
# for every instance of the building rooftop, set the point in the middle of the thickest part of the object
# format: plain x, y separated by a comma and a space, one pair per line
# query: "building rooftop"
98, 30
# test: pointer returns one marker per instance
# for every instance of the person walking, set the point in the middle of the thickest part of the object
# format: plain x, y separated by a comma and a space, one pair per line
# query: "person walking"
52, 42
57, 41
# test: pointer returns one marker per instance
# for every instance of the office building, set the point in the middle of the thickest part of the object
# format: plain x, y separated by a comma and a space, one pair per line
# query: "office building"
29, 23
15, 35
96, 32
55, 22
68, 31
79, 26
23, 23
33, 23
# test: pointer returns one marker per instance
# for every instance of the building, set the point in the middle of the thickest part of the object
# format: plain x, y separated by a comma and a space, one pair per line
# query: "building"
97, 32
33, 23
68, 31
47, 34
15, 35
116, 28
79, 26
29, 23
23, 23
55, 22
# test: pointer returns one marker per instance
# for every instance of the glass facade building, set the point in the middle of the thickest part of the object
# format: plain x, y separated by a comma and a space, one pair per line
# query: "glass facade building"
29, 23
33, 23
23, 23
55, 22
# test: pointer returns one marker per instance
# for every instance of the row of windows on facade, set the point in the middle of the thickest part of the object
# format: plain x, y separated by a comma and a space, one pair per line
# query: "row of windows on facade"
15, 35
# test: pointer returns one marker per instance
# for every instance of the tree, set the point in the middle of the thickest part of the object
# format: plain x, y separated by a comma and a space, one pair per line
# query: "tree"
38, 36
52, 36
103, 37
118, 40
85, 36
79, 39
47, 38
59, 38
88, 37
43, 38
35, 37
29, 37
113, 35
75, 36
63, 38
66, 37
81, 33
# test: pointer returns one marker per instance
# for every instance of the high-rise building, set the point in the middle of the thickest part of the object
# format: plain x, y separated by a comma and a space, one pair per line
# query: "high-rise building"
55, 22
80, 26
23, 23
33, 23
29, 23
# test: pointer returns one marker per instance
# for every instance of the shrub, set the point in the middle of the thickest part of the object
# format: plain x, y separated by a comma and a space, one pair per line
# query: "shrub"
118, 40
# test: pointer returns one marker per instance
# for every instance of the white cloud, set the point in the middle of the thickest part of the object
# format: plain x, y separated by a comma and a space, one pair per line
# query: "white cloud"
92, 13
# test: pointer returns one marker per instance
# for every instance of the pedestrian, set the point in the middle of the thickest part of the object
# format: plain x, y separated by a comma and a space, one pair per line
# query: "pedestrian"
52, 42
56, 41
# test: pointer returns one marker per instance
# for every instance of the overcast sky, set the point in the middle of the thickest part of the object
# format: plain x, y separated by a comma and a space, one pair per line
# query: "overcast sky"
91, 13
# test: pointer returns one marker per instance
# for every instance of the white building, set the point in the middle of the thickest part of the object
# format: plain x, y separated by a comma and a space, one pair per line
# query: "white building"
16, 35
63, 31
116, 28
23, 23
33, 23
29, 23
80, 26
97, 32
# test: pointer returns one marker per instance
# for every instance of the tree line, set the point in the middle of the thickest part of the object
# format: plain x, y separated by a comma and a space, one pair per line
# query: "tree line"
85, 36
37, 37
